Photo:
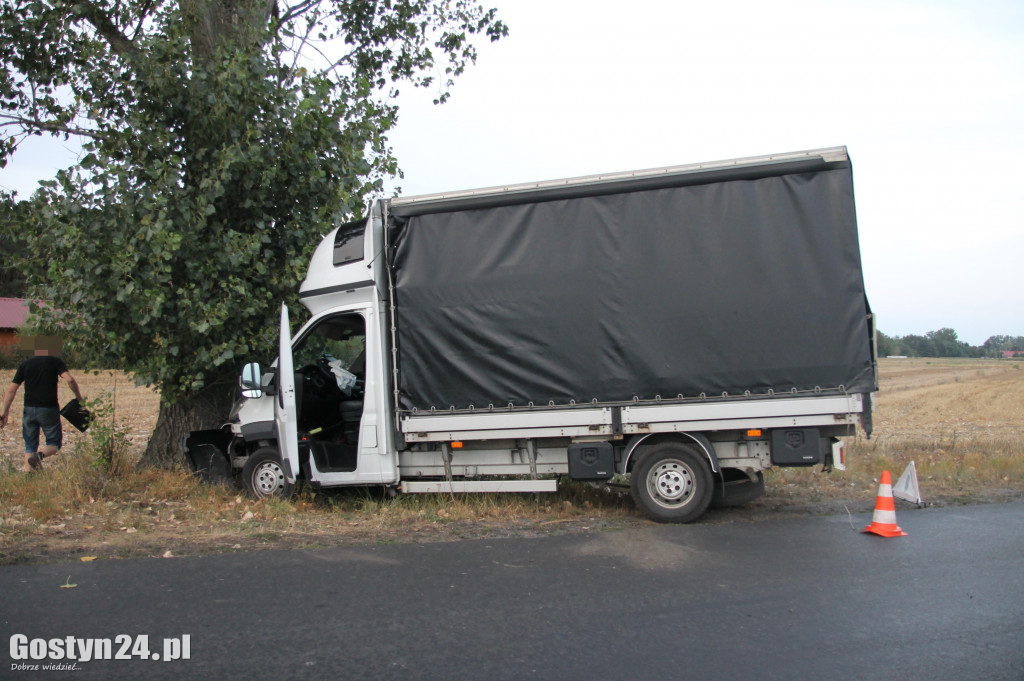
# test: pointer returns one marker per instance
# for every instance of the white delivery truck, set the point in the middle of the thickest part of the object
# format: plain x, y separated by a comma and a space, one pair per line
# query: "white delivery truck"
687, 327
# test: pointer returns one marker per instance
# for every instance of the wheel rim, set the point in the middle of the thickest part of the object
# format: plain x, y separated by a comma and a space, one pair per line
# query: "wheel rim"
268, 478
670, 483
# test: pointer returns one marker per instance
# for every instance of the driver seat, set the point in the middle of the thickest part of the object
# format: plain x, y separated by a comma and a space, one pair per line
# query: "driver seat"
351, 412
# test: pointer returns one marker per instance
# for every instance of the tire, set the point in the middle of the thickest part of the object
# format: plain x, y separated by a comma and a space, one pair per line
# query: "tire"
263, 476
737, 492
672, 483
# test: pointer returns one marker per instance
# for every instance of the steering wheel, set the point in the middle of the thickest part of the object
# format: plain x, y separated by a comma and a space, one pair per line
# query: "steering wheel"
318, 377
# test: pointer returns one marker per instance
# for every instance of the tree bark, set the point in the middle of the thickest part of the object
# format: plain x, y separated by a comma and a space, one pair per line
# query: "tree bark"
214, 23
208, 409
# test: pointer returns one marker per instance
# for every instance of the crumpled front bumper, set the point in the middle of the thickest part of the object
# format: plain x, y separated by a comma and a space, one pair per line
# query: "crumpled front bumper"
207, 454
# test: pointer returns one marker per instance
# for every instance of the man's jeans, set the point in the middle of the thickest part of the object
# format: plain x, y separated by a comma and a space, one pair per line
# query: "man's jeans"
34, 418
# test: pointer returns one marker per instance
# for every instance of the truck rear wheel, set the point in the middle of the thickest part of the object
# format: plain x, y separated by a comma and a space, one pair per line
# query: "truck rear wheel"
672, 483
263, 475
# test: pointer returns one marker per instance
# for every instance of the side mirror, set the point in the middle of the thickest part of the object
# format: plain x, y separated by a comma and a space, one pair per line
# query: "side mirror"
251, 381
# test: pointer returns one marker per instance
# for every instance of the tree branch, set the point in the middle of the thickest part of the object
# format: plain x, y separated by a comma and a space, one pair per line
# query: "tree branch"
297, 11
108, 30
31, 125
305, 42
143, 15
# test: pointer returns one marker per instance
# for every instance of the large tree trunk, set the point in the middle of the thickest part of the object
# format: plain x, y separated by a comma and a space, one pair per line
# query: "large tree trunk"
207, 409
212, 24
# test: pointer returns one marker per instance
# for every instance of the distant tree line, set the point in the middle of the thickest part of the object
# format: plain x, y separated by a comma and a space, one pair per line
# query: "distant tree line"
945, 343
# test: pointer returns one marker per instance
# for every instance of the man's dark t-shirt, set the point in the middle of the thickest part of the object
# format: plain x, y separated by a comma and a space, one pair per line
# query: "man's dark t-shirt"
40, 374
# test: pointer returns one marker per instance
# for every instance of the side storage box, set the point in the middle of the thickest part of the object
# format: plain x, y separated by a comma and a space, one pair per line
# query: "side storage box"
796, 447
591, 461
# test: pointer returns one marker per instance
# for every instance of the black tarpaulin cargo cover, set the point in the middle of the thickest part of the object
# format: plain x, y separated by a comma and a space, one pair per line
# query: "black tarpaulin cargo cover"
704, 283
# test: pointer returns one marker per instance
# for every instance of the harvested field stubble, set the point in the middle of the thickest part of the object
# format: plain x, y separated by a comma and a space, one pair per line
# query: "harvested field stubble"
132, 407
959, 420
964, 432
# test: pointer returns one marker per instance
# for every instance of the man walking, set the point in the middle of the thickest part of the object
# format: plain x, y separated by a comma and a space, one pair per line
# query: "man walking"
39, 373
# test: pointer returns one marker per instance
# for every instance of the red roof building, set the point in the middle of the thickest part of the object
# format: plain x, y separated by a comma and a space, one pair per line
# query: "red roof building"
13, 312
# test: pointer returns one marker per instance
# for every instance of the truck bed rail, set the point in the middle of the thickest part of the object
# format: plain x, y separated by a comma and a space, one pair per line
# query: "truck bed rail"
608, 421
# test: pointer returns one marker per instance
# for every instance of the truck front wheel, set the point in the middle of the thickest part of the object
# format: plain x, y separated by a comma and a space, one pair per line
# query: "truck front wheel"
263, 475
672, 483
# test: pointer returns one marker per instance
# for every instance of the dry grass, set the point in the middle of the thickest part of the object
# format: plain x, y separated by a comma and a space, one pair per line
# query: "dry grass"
957, 419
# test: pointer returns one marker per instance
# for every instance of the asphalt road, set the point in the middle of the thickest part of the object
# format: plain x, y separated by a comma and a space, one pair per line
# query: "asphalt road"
799, 599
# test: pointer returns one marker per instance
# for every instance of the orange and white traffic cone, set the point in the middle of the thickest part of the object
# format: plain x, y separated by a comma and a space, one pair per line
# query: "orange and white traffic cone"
883, 523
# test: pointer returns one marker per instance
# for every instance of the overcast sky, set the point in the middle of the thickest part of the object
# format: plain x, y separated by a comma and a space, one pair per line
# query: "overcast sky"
928, 97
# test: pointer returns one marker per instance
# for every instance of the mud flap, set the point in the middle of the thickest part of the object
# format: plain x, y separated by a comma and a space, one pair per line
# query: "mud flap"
206, 453
838, 456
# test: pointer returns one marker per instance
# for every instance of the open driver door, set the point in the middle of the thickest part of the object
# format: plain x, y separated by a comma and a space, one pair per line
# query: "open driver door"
285, 408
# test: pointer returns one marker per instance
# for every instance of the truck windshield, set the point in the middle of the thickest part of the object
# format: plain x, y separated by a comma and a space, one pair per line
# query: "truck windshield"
340, 337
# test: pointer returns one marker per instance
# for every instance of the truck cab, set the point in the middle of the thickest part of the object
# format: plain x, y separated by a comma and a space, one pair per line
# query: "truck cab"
338, 392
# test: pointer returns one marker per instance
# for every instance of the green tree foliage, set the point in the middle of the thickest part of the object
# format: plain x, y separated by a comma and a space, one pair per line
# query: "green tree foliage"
887, 346
916, 345
221, 139
12, 248
996, 345
947, 344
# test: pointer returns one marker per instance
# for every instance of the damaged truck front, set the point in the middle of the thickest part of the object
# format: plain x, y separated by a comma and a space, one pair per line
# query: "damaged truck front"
685, 327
